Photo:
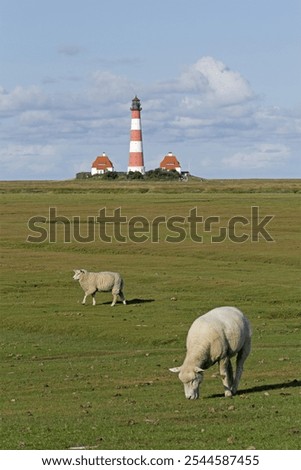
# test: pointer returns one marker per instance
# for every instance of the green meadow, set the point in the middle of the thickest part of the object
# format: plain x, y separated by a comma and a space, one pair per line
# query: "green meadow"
97, 377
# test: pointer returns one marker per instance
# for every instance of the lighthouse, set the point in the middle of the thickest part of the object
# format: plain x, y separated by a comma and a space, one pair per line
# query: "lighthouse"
136, 162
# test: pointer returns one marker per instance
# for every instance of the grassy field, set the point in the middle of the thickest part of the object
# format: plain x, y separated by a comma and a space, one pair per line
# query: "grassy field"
97, 377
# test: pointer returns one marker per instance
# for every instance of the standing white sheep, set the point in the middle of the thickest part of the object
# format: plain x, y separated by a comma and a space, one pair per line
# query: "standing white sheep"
100, 282
216, 336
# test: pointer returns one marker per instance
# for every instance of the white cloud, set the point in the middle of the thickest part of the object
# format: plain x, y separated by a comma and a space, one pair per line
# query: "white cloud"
106, 87
207, 99
21, 98
220, 85
35, 118
208, 82
264, 156
23, 160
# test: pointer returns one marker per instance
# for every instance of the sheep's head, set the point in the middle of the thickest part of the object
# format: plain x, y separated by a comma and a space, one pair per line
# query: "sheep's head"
78, 273
191, 380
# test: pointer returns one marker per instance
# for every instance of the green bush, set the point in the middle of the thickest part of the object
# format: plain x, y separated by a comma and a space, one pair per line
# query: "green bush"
161, 174
83, 175
135, 175
110, 175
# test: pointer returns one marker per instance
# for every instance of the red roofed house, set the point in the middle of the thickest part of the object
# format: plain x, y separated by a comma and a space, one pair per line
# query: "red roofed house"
170, 162
101, 165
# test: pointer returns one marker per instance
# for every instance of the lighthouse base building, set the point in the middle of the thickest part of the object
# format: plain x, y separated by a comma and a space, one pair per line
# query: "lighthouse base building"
141, 169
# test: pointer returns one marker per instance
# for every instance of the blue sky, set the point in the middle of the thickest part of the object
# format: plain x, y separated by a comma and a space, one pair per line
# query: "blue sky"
219, 83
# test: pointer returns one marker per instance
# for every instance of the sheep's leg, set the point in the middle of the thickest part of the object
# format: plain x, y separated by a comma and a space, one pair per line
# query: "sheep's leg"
114, 300
121, 295
226, 372
89, 293
241, 357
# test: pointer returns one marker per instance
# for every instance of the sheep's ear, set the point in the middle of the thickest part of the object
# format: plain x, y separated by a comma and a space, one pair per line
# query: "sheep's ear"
175, 369
198, 370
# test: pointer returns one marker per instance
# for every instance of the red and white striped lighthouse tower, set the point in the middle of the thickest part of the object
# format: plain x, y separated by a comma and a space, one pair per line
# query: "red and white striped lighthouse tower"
136, 162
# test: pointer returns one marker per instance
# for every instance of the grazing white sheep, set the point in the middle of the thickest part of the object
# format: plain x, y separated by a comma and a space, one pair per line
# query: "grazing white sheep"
100, 282
216, 336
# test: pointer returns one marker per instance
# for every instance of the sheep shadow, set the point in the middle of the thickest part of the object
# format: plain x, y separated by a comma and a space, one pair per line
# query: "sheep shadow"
263, 388
131, 301
139, 301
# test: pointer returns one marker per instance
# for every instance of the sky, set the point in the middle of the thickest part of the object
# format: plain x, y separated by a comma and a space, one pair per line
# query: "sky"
219, 83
